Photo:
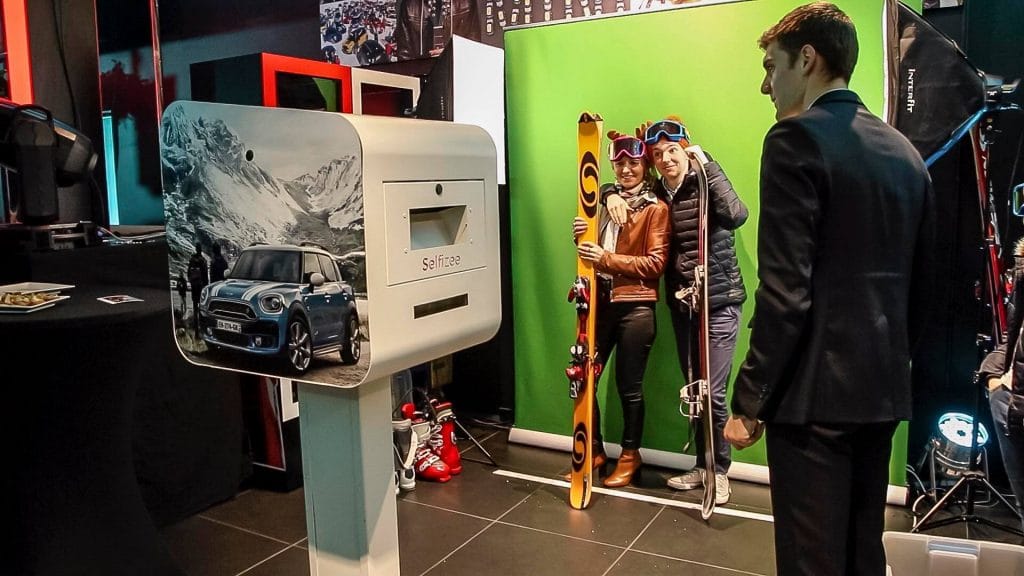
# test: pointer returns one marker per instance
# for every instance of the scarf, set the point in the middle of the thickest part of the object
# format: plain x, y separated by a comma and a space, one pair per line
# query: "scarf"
636, 198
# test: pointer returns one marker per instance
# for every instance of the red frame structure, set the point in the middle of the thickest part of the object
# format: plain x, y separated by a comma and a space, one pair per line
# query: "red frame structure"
273, 63
19, 58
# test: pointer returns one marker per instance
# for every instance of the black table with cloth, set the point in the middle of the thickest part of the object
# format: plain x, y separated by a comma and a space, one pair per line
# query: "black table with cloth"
71, 375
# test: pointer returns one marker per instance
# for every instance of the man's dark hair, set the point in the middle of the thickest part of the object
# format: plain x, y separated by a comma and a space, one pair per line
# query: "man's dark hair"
825, 27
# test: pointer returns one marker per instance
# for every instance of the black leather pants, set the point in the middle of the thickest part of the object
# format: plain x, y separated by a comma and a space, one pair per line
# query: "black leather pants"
630, 328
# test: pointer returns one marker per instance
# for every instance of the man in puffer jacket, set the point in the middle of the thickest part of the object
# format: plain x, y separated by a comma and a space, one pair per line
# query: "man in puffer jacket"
668, 144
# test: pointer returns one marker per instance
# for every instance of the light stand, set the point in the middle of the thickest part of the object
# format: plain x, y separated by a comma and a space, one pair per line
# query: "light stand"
480, 447
492, 462
970, 479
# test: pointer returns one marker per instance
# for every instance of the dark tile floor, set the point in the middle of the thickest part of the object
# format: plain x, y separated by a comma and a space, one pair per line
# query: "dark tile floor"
485, 523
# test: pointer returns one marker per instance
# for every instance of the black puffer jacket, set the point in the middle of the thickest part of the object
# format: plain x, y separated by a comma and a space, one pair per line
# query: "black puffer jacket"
727, 214
995, 365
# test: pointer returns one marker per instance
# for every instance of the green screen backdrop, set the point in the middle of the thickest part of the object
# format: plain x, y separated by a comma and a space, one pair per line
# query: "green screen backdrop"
701, 63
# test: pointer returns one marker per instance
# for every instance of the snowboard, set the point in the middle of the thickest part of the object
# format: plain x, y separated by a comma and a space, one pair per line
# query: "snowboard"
583, 369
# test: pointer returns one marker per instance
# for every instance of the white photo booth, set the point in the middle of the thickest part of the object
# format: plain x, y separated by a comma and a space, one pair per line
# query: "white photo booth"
422, 196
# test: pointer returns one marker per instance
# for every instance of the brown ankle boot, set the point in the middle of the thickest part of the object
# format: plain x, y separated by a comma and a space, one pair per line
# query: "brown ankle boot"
599, 460
629, 464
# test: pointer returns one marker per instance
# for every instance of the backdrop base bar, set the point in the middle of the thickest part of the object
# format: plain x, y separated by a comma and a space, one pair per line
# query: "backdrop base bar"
348, 471
895, 495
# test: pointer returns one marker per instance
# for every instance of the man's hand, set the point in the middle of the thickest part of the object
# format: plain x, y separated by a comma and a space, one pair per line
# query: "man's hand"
590, 252
995, 382
742, 432
697, 153
617, 208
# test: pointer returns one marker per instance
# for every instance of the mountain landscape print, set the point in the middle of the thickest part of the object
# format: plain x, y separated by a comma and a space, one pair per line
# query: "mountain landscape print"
278, 195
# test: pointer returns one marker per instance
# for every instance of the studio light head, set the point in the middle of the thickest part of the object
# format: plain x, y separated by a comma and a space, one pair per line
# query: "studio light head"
43, 153
952, 443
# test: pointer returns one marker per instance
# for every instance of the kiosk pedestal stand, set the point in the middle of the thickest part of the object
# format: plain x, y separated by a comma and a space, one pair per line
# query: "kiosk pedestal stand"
348, 471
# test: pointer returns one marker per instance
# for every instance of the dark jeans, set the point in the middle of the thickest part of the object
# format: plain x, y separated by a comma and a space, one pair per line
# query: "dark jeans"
630, 327
723, 329
1011, 447
828, 496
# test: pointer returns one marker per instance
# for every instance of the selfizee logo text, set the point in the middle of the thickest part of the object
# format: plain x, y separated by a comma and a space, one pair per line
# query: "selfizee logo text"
440, 261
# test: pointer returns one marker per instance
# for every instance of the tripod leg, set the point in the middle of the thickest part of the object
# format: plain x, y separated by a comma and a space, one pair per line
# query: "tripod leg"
931, 469
1002, 498
998, 526
938, 505
969, 478
474, 441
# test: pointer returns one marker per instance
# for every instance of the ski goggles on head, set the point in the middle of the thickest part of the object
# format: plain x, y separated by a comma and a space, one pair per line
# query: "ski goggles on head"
669, 129
626, 145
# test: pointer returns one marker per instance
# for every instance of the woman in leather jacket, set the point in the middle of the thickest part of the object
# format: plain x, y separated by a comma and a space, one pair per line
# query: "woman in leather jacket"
629, 260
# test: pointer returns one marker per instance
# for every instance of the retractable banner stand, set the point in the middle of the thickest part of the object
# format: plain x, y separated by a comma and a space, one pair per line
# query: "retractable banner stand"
701, 62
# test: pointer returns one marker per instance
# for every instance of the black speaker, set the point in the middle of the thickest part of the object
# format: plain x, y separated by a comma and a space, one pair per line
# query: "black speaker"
35, 182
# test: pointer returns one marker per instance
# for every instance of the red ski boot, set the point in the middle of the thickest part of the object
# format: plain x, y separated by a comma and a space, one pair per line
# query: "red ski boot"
442, 439
408, 410
429, 465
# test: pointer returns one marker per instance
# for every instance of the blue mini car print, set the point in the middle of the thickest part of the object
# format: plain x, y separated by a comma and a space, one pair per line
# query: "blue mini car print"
282, 301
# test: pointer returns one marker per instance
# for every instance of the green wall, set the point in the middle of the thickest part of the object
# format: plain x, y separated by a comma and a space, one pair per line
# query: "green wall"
701, 63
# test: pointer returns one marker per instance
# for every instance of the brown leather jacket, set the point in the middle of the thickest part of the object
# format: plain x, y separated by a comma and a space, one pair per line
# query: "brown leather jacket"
641, 251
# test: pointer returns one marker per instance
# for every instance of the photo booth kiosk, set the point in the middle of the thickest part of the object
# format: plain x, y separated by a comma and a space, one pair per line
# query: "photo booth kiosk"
420, 196
288, 82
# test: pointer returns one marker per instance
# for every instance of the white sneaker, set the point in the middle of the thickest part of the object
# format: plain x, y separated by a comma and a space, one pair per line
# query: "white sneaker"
688, 480
722, 489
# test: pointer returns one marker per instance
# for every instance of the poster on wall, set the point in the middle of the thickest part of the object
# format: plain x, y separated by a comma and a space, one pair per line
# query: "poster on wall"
367, 32
266, 242
358, 32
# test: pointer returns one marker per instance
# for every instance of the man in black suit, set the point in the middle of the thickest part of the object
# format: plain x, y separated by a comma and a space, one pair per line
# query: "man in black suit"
845, 229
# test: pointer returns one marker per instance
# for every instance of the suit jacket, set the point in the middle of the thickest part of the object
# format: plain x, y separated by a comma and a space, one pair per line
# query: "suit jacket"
845, 232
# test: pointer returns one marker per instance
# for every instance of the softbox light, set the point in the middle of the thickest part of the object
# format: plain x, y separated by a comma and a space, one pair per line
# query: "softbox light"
939, 89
